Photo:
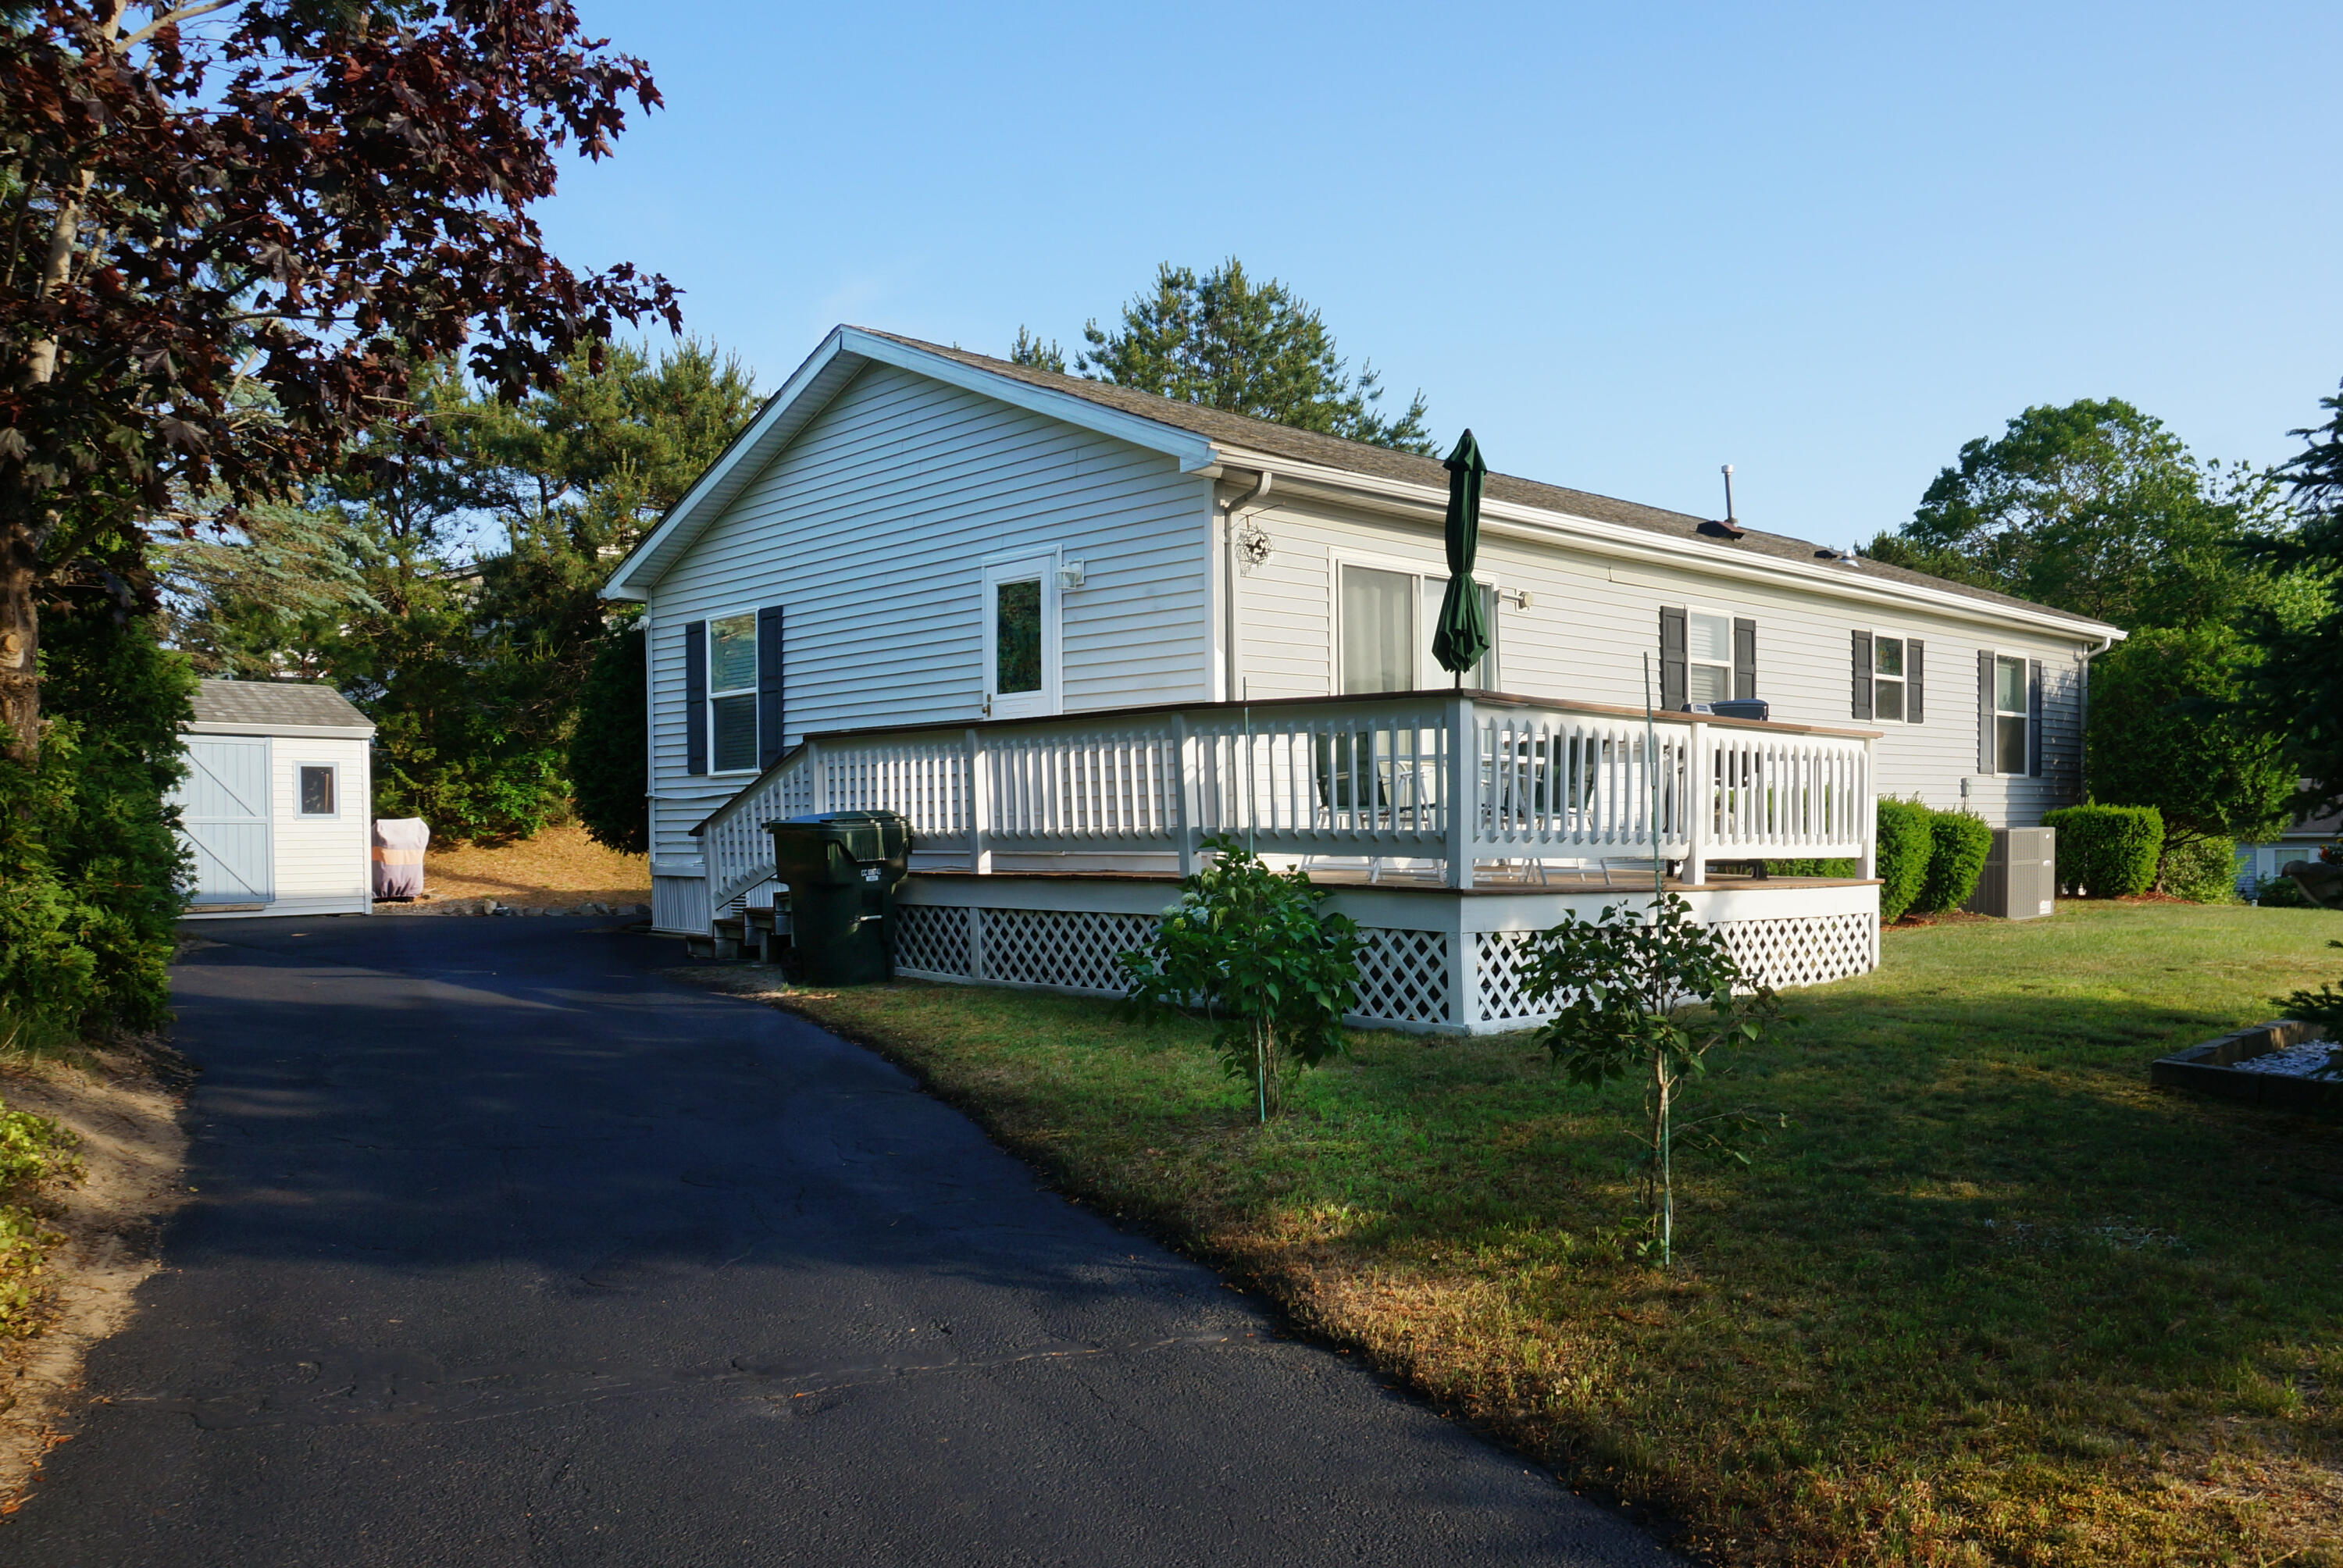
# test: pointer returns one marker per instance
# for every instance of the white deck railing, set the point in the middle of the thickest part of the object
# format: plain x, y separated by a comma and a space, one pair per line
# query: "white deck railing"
1367, 776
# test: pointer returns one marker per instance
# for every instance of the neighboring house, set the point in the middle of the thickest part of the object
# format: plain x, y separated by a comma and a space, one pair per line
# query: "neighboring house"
276, 806
915, 539
2257, 863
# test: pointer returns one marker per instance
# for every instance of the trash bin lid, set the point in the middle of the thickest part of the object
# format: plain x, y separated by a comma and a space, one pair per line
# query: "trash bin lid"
862, 835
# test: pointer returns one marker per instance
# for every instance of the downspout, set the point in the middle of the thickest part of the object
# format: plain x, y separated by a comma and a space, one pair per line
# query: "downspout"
1252, 501
2083, 722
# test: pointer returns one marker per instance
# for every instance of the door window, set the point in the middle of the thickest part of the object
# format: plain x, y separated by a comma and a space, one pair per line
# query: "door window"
1387, 621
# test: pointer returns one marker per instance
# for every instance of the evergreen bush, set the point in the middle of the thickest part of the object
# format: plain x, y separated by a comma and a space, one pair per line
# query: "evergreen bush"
1958, 843
1906, 840
90, 871
2277, 892
2202, 870
2106, 851
609, 752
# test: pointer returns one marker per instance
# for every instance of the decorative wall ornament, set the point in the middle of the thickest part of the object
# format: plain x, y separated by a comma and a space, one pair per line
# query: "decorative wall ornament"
1254, 547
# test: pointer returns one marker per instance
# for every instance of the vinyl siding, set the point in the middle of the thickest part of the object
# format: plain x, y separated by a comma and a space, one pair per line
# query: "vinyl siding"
322, 862
1594, 619
869, 530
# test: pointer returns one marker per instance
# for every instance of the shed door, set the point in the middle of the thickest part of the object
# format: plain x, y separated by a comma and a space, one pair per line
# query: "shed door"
224, 818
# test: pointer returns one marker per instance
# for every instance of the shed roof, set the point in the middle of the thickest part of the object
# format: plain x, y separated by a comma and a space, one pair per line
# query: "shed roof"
277, 704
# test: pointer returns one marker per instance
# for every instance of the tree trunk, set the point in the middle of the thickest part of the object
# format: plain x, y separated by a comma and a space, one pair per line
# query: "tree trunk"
20, 641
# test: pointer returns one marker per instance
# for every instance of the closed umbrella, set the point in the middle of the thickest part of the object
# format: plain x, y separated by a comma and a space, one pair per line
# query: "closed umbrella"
1462, 638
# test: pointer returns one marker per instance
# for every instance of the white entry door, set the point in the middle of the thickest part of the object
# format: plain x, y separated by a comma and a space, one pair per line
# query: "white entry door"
224, 819
1021, 638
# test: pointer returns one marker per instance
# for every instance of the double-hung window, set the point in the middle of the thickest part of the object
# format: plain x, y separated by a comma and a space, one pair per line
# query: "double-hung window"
2009, 715
1387, 620
1708, 656
732, 693
1887, 677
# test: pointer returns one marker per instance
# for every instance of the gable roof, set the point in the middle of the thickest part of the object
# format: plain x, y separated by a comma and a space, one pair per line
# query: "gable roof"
1212, 436
277, 705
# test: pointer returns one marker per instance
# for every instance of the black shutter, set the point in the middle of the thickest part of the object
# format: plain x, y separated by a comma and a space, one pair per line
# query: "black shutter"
1984, 712
1674, 676
1914, 683
2034, 717
1862, 702
769, 686
1744, 658
695, 698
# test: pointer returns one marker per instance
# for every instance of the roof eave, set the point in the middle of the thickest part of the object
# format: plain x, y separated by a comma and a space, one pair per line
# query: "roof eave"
1601, 538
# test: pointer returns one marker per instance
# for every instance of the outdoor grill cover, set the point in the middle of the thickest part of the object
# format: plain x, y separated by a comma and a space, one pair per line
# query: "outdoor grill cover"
398, 846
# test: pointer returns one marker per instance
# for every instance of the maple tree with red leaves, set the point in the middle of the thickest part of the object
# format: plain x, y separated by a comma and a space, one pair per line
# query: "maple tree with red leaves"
235, 229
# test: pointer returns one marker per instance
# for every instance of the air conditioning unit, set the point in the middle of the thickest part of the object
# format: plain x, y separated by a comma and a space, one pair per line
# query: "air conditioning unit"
2021, 874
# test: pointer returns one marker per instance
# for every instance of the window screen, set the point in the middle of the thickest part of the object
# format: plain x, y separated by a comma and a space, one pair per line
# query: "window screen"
1378, 630
732, 693
2009, 715
317, 791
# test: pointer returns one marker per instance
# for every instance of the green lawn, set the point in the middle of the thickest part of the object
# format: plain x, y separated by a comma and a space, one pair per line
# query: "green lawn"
1990, 1299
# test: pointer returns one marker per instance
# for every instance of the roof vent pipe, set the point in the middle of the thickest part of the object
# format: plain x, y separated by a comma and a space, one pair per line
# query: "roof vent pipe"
1729, 528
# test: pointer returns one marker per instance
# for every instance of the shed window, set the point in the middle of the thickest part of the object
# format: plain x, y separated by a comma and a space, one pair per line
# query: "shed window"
317, 791
1887, 677
2009, 715
1708, 674
732, 693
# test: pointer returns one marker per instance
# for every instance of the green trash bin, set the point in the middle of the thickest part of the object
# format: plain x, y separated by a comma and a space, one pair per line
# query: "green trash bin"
842, 869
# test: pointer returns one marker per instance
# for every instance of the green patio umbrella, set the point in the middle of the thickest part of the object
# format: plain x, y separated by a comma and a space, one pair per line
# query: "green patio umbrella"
1462, 638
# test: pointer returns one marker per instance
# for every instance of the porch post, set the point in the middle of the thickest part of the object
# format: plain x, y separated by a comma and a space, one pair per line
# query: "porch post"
1700, 803
980, 813
1185, 801
817, 777
1463, 789
1867, 825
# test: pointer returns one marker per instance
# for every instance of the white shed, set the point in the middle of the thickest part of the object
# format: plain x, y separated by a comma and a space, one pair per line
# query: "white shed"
277, 803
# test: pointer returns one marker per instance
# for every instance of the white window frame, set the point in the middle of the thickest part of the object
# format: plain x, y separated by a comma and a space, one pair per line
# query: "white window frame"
2023, 714
1904, 681
1729, 617
333, 770
1429, 675
1008, 566
707, 654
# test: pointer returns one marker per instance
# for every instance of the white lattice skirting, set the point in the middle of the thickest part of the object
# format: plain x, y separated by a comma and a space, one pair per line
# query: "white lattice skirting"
1404, 976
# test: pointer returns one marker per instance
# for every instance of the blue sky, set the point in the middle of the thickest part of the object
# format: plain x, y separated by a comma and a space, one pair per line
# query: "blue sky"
1624, 244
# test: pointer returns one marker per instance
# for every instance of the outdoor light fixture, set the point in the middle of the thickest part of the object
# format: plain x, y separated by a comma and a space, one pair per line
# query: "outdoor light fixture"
1519, 597
1070, 577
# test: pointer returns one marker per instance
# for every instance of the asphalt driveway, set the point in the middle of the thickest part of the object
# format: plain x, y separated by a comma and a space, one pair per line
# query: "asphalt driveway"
506, 1250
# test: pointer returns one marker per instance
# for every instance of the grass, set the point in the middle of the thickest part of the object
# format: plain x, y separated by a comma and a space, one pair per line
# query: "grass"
560, 865
1991, 1299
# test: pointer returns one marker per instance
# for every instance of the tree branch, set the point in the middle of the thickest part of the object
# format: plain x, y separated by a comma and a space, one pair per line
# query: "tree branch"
171, 19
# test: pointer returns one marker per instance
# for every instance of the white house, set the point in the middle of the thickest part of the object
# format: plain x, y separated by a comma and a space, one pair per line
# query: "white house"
276, 803
1070, 628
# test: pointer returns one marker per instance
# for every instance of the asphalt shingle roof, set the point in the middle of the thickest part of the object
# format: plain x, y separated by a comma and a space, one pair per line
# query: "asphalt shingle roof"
290, 703
1408, 468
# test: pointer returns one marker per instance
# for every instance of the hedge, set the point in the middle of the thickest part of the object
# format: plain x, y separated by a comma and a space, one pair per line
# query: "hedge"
1907, 843
2106, 851
2201, 871
1958, 843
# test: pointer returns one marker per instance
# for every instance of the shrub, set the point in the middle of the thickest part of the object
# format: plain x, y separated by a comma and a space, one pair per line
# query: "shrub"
2277, 892
1906, 843
1251, 947
2202, 870
1958, 843
2106, 851
609, 752
1649, 998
